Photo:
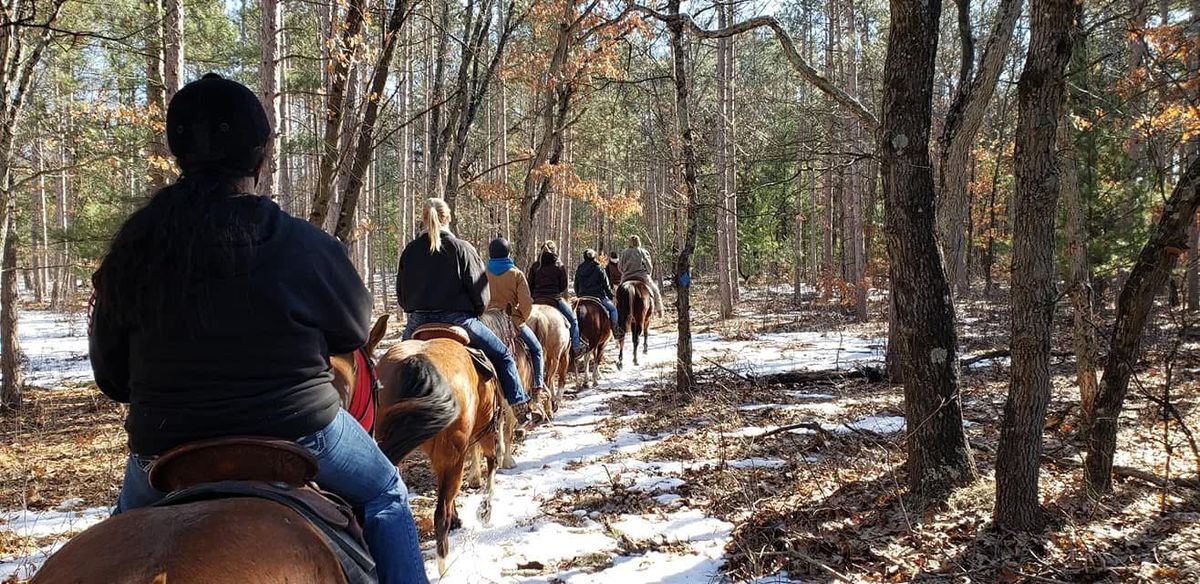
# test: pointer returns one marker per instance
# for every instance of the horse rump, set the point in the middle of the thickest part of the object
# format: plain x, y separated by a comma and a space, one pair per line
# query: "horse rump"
424, 406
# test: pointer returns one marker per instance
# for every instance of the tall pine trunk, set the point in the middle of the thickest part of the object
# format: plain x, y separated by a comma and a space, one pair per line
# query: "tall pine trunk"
1079, 283
684, 374
269, 79
1035, 199
10, 350
939, 457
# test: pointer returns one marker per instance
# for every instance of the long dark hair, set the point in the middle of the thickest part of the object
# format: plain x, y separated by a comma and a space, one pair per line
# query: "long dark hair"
160, 252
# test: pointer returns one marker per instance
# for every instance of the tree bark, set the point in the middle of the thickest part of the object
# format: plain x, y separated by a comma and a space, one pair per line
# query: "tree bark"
726, 271
156, 103
365, 145
1079, 282
1035, 199
1167, 241
684, 374
173, 70
10, 350
335, 112
939, 457
270, 80
975, 90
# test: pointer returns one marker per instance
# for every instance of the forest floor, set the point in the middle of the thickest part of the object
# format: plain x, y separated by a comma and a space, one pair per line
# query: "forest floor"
738, 480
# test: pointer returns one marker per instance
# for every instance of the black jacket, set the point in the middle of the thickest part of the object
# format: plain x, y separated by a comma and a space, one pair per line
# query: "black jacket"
590, 280
256, 362
547, 278
449, 280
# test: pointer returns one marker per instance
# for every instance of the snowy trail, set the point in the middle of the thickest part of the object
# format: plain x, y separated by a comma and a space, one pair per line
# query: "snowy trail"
565, 455
555, 458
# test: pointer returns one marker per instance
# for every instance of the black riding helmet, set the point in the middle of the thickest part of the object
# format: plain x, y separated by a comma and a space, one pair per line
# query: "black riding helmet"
215, 123
499, 248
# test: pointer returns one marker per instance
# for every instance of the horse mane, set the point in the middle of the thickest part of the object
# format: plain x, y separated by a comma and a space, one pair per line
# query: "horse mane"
501, 324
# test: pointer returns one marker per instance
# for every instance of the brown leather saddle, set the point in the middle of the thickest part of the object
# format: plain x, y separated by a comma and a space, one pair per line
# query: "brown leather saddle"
441, 330
546, 302
265, 468
453, 332
580, 300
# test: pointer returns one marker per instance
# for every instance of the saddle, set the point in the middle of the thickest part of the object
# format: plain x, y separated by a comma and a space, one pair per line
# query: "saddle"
579, 300
546, 302
264, 468
453, 332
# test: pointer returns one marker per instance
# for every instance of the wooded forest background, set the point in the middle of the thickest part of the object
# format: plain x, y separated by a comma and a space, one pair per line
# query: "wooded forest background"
746, 142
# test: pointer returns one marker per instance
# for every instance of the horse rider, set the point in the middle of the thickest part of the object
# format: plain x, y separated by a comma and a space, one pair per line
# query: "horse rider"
592, 282
215, 313
509, 288
636, 265
550, 284
441, 279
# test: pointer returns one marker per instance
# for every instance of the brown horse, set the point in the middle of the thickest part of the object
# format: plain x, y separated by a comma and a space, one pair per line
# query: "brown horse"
613, 271
554, 333
595, 328
217, 541
634, 304
421, 380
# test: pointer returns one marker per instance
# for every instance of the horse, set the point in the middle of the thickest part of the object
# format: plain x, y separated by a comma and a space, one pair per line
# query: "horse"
613, 270
220, 540
422, 380
500, 323
596, 328
554, 333
634, 305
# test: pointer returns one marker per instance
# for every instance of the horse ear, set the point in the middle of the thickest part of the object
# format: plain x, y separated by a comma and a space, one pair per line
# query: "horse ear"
377, 333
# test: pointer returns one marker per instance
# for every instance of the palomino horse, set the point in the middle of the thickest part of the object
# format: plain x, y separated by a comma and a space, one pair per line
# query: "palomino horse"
554, 332
634, 303
500, 323
217, 541
421, 381
596, 328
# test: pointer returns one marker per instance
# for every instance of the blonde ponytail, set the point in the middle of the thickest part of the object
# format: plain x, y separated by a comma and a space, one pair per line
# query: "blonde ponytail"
550, 246
436, 216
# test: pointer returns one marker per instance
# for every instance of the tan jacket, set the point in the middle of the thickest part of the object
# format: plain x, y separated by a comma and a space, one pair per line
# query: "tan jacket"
511, 289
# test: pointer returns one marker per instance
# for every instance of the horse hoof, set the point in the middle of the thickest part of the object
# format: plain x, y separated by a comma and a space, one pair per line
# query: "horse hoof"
508, 463
485, 515
455, 523
441, 561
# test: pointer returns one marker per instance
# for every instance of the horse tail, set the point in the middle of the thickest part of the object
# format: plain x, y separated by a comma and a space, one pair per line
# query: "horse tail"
626, 297
426, 406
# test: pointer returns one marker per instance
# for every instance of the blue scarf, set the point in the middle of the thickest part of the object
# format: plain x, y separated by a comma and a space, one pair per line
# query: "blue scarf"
497, 266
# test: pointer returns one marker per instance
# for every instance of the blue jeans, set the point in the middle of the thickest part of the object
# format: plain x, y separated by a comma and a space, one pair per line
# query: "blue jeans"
536, 354
566, 311
482, 338
612, 310
352, 467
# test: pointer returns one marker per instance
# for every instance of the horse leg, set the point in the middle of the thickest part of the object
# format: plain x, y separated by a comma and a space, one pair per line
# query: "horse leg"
646, 336
507, 426
475, 479
621, 353
635, 332
450, 475
490, 445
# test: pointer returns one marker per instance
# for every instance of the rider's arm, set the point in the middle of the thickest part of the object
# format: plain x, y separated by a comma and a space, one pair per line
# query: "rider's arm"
524, 301
562, 281
606, 289
474, 278
342, 305
108, 347
578, 271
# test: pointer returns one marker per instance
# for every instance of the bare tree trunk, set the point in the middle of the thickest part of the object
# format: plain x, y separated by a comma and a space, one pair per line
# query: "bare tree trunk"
726, 275
1035, 199
156, 103
1167, 242
335, 111
856, 239
10, 350
1079, 281
270, 79
966, 114
939, 457
365, 145
684, 375
173, 71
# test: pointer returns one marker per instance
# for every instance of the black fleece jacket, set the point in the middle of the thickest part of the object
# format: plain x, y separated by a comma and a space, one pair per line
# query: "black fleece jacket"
256, 362
451, 279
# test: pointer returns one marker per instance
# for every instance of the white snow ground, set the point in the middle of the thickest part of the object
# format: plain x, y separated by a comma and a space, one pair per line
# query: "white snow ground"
559, 456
